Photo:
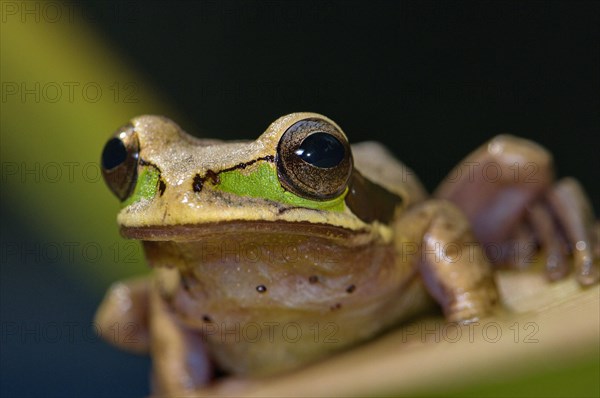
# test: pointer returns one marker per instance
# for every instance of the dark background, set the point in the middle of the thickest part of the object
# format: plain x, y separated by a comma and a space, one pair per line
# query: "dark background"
432, 80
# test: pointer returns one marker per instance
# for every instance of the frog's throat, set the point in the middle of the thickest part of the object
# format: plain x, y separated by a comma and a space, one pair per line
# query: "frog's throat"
227, 229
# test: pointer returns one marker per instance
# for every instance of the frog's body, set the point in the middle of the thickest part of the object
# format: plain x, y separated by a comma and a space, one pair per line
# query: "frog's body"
267, 259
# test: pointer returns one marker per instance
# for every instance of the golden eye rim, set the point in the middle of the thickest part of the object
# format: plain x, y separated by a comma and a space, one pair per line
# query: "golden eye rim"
305, 179
121, 179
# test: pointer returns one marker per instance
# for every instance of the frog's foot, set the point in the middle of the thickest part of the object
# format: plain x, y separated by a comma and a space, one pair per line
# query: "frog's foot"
179, 358
506, 189
562, 225
122, 318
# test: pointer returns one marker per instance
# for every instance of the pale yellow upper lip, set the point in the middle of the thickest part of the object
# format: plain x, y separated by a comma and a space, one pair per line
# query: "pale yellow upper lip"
197, 232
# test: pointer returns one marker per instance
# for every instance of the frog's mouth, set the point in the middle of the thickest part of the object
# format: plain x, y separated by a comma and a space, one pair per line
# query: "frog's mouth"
230, 229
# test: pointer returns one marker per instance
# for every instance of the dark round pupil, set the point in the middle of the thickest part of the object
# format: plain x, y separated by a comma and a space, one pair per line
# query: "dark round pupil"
321, 150
114, 153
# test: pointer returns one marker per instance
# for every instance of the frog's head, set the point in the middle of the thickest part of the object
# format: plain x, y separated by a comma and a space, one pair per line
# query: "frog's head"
299, 176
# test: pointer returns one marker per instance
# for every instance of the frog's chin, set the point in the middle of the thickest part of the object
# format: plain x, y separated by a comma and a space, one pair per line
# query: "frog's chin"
231, 229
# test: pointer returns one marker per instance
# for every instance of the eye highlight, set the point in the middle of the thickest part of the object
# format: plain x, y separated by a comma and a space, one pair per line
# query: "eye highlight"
314, 160
321, 150
119, 162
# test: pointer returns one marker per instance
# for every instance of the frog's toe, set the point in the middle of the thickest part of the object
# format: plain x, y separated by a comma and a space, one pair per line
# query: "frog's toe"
121, 319
576, 219
553, 243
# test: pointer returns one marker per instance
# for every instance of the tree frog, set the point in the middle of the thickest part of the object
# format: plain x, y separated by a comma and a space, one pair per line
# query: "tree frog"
274, 253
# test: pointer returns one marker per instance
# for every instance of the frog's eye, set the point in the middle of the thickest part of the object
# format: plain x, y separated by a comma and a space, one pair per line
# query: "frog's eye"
119, 161
314, 159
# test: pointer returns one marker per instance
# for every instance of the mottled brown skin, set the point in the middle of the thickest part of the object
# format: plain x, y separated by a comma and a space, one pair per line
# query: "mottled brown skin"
255, 296
276, 315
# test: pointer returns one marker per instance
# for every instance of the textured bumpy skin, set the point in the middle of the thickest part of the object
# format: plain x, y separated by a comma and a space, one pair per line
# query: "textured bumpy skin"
252, 284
